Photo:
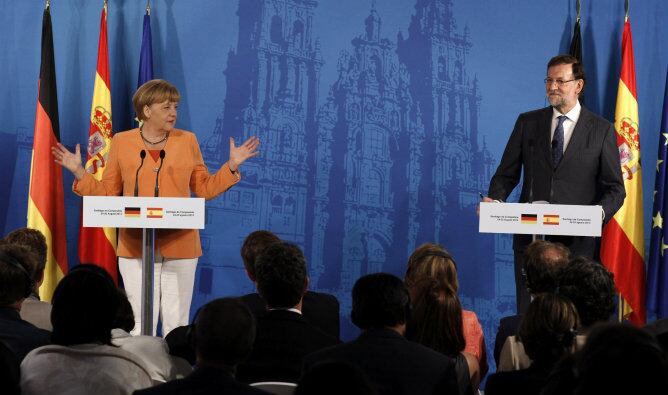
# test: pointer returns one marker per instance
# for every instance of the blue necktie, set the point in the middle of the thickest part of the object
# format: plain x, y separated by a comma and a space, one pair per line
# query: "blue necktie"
558, 141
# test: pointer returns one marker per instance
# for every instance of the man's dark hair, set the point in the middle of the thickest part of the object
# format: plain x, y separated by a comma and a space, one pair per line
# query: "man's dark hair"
17, 267
280, 272
590, 287
253, 246
224, 332
620, 350
548, 328
379, 300
436, 317
542, 262
85, 303
125, 318
36, 243
578, 67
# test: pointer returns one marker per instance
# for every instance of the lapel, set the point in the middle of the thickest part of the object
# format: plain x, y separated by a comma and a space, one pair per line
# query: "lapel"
579, 136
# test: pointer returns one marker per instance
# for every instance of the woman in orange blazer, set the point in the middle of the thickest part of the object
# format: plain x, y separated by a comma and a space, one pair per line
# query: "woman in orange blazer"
183, 172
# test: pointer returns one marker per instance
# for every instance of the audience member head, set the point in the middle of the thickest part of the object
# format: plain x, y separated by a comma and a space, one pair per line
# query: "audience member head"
280, 273
85, 304
334, 378
253, 246
17, 267
35, 241
380, 300
621, 359
436, 318
547, 330
542, 262
431, 261
125, 318
590, 287
223, 333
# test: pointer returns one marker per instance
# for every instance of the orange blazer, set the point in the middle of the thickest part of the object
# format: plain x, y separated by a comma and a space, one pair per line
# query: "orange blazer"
183, 172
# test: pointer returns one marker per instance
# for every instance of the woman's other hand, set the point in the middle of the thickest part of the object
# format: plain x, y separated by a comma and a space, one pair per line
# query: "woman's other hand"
70, 161
238, 155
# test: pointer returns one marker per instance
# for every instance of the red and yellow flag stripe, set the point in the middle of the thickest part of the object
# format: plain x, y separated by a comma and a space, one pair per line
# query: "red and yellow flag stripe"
46, 206
98, 245
622, 246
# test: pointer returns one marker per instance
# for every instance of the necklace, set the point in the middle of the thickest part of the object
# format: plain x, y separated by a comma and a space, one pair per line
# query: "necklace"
153, 142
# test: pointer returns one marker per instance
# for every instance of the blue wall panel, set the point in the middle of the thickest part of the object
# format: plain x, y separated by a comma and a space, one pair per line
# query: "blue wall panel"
380, 121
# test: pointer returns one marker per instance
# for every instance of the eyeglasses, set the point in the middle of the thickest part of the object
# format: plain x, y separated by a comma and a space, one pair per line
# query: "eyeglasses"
560, 83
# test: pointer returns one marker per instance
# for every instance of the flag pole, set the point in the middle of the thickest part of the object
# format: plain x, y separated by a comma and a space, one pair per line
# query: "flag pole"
47, 5
626, 10
148, 7
577, 11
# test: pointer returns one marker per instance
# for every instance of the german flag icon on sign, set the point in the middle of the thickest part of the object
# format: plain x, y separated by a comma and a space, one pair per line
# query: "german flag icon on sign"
529, 219
132, 212
550, 219
153, 212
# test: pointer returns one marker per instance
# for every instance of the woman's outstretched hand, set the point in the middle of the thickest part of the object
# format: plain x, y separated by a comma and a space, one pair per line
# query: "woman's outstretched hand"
70, 161
238, 155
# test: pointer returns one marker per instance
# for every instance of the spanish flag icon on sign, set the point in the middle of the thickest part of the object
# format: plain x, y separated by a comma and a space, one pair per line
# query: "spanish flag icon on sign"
550, 219
153, 212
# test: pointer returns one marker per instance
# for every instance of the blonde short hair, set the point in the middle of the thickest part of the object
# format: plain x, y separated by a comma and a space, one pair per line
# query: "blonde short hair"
153, 91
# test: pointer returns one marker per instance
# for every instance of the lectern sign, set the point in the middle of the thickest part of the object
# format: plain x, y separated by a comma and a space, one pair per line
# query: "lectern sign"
143, 212
541, 219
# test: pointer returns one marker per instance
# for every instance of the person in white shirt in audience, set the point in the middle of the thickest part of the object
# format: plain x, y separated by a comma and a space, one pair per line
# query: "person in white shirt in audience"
82, 360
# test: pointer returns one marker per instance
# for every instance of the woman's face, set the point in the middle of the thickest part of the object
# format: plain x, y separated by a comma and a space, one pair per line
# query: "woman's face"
161, 116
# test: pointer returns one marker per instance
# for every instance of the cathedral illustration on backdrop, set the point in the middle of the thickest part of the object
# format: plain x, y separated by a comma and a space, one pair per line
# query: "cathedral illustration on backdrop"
391, 159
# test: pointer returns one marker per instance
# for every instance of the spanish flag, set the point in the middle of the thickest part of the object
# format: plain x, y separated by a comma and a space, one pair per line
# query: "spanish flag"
98, 245
46, 206
622, 244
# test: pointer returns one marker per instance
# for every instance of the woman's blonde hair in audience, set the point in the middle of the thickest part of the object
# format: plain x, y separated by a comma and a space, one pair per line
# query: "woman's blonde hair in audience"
431, 261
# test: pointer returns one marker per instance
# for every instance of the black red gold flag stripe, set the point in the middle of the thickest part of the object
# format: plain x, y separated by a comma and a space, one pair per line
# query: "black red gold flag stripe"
46, 206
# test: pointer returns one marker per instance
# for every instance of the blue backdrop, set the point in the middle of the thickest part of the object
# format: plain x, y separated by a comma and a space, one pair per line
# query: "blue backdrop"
380, 121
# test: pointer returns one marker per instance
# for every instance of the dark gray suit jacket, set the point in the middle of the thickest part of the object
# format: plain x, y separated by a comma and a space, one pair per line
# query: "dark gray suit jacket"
589, 172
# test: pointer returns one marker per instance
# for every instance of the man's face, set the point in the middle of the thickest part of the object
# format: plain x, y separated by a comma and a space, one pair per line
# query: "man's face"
562, 96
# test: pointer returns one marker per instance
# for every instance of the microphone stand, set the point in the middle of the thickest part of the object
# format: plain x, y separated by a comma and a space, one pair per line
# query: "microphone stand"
148, 262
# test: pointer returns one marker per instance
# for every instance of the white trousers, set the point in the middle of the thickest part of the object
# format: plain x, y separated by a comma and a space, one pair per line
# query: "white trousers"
174, 280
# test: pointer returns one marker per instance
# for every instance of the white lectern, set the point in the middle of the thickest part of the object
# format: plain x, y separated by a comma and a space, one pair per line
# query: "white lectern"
149, 214
541, 219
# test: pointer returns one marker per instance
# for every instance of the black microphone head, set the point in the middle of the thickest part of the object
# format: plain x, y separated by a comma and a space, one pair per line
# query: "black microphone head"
142, 154
162, 154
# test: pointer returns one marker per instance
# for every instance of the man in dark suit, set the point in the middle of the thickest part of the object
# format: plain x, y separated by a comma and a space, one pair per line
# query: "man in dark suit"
320, 309
17, 265
543, 262
569, 156
220, 345
394, 365
284, 336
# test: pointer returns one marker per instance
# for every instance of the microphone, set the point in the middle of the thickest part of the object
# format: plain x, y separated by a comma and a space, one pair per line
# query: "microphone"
142, 155
162, 159
531, 167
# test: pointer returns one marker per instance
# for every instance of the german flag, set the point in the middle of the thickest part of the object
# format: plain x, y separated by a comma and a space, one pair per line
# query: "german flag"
132, 212
550, 219
98, 245
46, 206
529, 219
153, 212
